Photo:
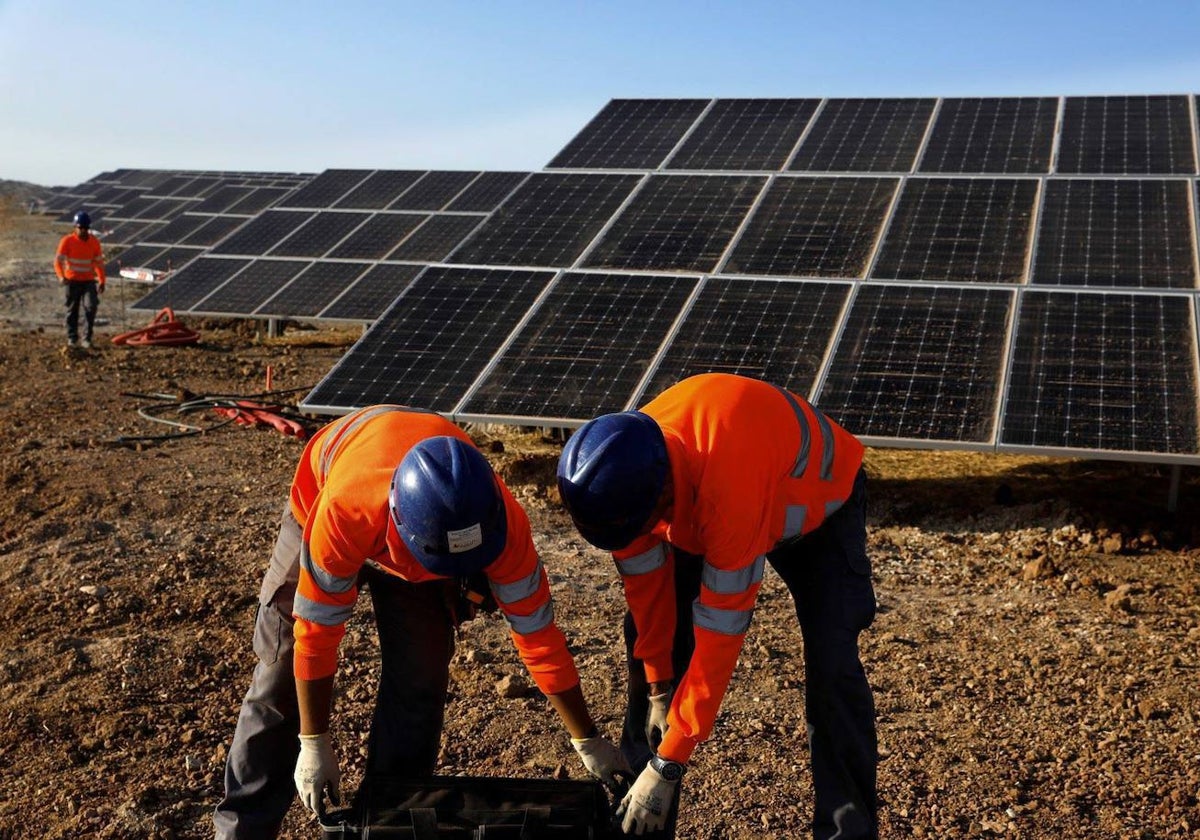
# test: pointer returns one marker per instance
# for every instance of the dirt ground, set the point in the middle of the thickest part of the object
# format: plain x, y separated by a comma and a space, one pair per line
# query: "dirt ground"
1035, 660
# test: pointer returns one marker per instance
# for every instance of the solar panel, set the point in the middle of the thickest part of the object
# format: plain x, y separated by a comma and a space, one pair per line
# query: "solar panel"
258, 200
380, 189
127, 233
486, 192
864, 135
177, 230
434, 191
135, 257
172, 259
379, 235
262, 234
1127, 135
326, 189
214, 230
548, 221
677, 222
191, 284
1004, 136
584, 349
1103, 373
745, 135
919, 363
434, 341
817, 227
313, 290
959, 229
775, 330
222, 199
436, 238
369, 297
319, 234
1131, 232
255, 284
630, 134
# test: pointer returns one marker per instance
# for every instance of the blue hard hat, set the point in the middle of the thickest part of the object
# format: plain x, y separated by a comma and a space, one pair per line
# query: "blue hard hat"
445, 502
611, 475
82, 219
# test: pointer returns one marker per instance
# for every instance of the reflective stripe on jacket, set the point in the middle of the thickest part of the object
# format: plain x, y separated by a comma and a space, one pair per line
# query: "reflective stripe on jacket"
340, 497
79, 259
753, 465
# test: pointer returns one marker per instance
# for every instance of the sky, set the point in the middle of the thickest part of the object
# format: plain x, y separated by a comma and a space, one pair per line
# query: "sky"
503, 85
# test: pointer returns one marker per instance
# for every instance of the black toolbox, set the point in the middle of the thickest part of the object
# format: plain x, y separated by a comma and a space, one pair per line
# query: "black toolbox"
474, 808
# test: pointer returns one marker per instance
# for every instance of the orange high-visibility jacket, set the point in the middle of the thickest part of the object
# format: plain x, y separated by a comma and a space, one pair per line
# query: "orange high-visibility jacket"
752, 465
340, 497
79, 259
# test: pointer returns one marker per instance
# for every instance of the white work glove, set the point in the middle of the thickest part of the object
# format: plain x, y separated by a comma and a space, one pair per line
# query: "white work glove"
603, 760
647, 804
656, 720
316, 771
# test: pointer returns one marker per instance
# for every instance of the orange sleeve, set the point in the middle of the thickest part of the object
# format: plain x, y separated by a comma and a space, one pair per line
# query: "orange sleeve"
58, 258
647, 567
522, 591
98, 262
330, 560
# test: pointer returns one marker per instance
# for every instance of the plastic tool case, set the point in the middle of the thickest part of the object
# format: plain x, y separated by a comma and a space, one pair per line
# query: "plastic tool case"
475, 808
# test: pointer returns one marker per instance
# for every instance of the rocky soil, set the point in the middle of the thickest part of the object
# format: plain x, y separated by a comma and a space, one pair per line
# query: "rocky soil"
1036, 658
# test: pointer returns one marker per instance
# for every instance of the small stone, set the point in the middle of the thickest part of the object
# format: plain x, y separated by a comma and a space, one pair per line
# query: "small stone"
191, 763
512, 687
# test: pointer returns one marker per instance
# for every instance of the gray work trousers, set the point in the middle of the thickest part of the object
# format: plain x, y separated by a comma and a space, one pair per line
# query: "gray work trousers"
416, 641
76, 292
828, 574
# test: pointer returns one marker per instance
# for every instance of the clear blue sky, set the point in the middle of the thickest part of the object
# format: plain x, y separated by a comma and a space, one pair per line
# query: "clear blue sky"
500, 84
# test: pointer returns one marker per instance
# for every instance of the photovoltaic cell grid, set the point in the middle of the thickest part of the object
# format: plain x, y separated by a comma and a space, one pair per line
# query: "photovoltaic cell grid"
1131, 232
1127, 135
370, 296
378, 236
1097, 372
192, 284
436, 238
434, 191
317, 236
630, 134
677, 222
775, 330
959, 230
548, 221
584, 349
313, 290
256, 283
434, 341
326, 188
864, 135
380, 189
919, 363
745, 135
1011, 135
814, 227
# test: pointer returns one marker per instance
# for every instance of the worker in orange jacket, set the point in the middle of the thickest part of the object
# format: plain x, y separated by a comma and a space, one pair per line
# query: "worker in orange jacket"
79, 264
400, 500
694, 494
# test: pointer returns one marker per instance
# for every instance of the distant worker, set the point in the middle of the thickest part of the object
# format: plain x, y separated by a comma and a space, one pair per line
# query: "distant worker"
400, 500
79, 265
694, 494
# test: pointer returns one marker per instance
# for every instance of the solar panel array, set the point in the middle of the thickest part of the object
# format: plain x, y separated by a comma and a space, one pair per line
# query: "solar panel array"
1015, 274
1012, 274
163, 219
341, 247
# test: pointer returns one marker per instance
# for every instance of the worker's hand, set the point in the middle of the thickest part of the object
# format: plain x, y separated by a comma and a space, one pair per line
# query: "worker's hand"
656, 720
100, 288
603, 760
316, 771
647, 804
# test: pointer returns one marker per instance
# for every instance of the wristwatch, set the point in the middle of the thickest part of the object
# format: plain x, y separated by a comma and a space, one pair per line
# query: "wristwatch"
672, 771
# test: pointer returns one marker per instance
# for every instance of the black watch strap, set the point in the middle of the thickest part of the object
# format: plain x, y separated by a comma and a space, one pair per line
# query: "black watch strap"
672, 771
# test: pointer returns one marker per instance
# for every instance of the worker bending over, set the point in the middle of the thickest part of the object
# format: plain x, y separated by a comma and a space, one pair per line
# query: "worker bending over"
694, 494
401, 500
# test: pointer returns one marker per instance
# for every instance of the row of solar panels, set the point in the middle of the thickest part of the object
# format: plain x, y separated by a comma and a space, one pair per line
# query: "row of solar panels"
1002, 311
1091, 135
